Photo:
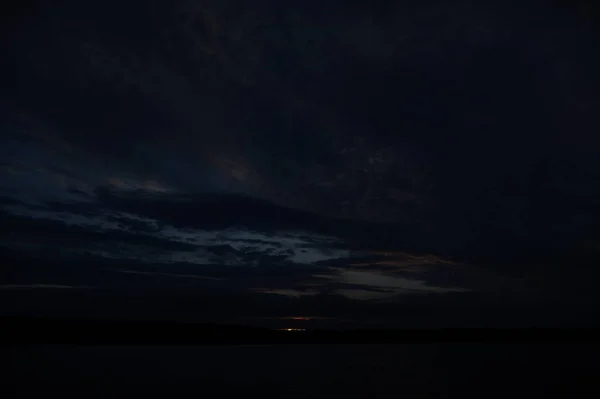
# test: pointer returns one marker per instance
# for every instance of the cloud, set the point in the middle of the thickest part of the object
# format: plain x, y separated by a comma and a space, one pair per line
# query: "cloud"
168, 274
132, 185
79, 232
364, 294
39, 286
389, 282
325, 159
286, 291
364, 140
257, 253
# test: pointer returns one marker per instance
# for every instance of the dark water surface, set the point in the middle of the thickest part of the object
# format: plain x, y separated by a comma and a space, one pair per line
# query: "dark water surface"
299, 371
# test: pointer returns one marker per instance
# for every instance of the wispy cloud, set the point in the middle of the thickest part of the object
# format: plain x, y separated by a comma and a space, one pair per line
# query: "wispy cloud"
256, 258
152, 186
41, 286
395, 283
286, 291
167, 274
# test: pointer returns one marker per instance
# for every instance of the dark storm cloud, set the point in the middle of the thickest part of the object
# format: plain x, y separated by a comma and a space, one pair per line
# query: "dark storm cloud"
9, 201
215, 132
287, 262
443, 118
89, 224
208, 211
58, 232
417, 79
231, 230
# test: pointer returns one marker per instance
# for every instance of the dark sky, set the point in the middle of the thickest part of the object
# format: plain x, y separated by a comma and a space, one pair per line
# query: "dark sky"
349, 157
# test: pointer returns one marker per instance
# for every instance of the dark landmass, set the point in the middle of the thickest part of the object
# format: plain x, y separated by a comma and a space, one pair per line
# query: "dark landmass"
61, 331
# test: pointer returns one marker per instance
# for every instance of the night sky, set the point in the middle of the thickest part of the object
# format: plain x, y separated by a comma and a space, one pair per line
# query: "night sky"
401, 161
